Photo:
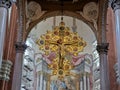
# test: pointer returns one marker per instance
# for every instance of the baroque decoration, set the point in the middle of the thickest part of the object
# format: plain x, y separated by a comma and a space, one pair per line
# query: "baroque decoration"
62, 48
34, 12
90, 13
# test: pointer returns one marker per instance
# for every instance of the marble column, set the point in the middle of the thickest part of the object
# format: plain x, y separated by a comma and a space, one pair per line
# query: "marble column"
18, 65
85, 84
41, 82
4, 5
116, 7
40, 85
104, 72
44, 84
38, 81
20, 46
88, 83
81, 83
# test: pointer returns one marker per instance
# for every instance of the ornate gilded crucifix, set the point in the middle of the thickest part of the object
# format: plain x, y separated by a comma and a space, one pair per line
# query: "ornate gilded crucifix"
59, 46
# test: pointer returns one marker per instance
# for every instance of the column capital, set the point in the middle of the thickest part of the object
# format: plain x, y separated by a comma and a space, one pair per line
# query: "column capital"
5, 3
20, 47
102, 48
115, 4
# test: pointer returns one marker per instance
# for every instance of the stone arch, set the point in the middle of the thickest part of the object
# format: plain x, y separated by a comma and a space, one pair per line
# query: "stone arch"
65, 13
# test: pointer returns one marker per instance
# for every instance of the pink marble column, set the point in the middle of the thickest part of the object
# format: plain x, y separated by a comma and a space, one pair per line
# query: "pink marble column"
112, 49
116, 7
20, 46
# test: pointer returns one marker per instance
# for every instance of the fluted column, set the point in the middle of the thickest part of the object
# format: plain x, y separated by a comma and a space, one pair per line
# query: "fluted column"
4, 5
116, 7
104, 76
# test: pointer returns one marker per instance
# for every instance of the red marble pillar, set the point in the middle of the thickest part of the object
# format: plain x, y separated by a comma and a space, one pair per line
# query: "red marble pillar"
112, 49
9, 49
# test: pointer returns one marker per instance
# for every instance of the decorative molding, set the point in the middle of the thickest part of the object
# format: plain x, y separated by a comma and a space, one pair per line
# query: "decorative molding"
90, 11
5, 3
102, 48
115, 4
57, 13
20, 47
5, 70
34, 12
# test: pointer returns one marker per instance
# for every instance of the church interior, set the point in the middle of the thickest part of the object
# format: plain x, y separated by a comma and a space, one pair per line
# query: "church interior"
59, 44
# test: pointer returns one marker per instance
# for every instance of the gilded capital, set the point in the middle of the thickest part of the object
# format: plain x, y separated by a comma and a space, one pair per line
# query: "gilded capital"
115, 4
102, 48
5, 3
20, 46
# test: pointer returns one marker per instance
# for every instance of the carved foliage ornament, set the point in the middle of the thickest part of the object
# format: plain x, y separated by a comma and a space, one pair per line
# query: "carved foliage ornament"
5, 3
90, 11
20, 46
115, 4
102, 48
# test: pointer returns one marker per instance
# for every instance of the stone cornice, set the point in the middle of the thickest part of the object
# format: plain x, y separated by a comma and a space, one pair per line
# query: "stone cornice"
5, 3
115, 4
